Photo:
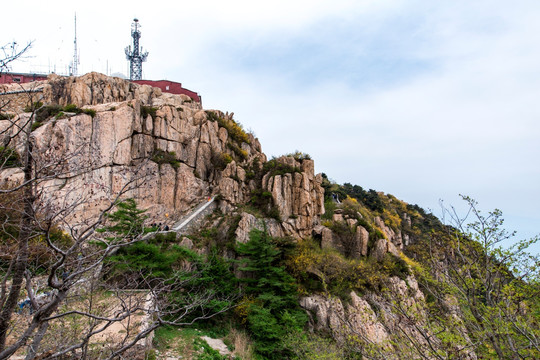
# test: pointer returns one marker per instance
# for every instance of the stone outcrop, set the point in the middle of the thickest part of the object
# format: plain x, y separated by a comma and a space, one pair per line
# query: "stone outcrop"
394, 237
382, 247
162, 149
159, 148
249, 222
353, 243
373, 318
298, 195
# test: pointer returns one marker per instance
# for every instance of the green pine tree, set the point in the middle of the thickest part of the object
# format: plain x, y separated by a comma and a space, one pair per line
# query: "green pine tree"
127, 222
275, 311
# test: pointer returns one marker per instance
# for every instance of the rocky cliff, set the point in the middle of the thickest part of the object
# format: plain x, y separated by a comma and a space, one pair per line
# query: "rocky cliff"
162, 149
94, 138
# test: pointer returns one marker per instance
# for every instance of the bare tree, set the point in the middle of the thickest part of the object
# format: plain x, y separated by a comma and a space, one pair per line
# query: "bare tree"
10, 53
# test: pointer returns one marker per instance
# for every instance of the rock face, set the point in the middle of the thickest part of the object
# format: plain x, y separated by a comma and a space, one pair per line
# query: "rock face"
382, 247
394, 237
159, 148
371, 319
352, 243
249, 222
298, 195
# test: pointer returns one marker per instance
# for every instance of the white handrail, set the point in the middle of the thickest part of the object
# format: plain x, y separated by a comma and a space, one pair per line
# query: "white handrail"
192, 216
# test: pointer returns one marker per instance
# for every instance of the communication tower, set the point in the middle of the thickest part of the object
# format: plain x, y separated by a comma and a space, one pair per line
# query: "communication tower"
136, 56
73, 67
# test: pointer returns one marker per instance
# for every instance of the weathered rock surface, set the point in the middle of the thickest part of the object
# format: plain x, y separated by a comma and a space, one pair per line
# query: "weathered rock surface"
373, 318
249, 222
394, 237
353, 243
157, 147
382, 247
218, 345
298, 195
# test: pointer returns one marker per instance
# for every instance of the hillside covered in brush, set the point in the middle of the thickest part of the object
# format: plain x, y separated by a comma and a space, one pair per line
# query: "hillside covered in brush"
137, 224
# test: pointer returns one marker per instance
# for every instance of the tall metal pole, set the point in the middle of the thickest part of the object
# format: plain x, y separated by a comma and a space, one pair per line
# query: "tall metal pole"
75, 56
136, 56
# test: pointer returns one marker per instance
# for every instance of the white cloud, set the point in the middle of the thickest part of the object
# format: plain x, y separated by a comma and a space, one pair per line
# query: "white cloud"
421, 99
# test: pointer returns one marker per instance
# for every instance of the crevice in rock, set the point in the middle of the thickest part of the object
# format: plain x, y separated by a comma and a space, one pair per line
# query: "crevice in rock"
198, 145
175, 188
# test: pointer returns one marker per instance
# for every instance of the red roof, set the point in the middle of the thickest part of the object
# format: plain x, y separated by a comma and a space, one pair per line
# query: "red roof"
21, 78
170, 87
165, 85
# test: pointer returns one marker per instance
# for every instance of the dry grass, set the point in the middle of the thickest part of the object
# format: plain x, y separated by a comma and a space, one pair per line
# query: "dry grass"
243, 346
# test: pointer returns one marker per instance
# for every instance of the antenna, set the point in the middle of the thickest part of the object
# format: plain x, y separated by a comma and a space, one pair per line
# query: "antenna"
73, 67
137, 56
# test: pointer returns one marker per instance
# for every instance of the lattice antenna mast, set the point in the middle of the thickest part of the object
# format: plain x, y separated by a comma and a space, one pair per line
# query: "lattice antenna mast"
136, 56
75, 56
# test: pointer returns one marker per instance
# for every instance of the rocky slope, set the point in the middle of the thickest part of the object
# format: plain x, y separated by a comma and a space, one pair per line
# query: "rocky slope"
166, 152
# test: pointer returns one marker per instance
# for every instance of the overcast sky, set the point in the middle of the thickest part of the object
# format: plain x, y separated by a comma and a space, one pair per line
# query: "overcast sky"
421, 99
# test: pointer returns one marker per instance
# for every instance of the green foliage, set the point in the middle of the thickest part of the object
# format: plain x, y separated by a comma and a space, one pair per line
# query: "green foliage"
159, 259
263, 201
299, 156
216, 275
126, 222
9, 157
163, 335
166, 157
143, 260
234, 129
150, 355
40, 256
72, 108
36, 125
60, 115
33, 107
273, 310
43, 113
250, 174
148, 110
274, 167
5, 116
238, 151
311, 346
369, 198
206, 352
220, 161
495, 288
90, 112
329, 207
327, 270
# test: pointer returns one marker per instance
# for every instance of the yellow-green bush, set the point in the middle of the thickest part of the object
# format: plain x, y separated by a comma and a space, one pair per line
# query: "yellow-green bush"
235, 130
327, 270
